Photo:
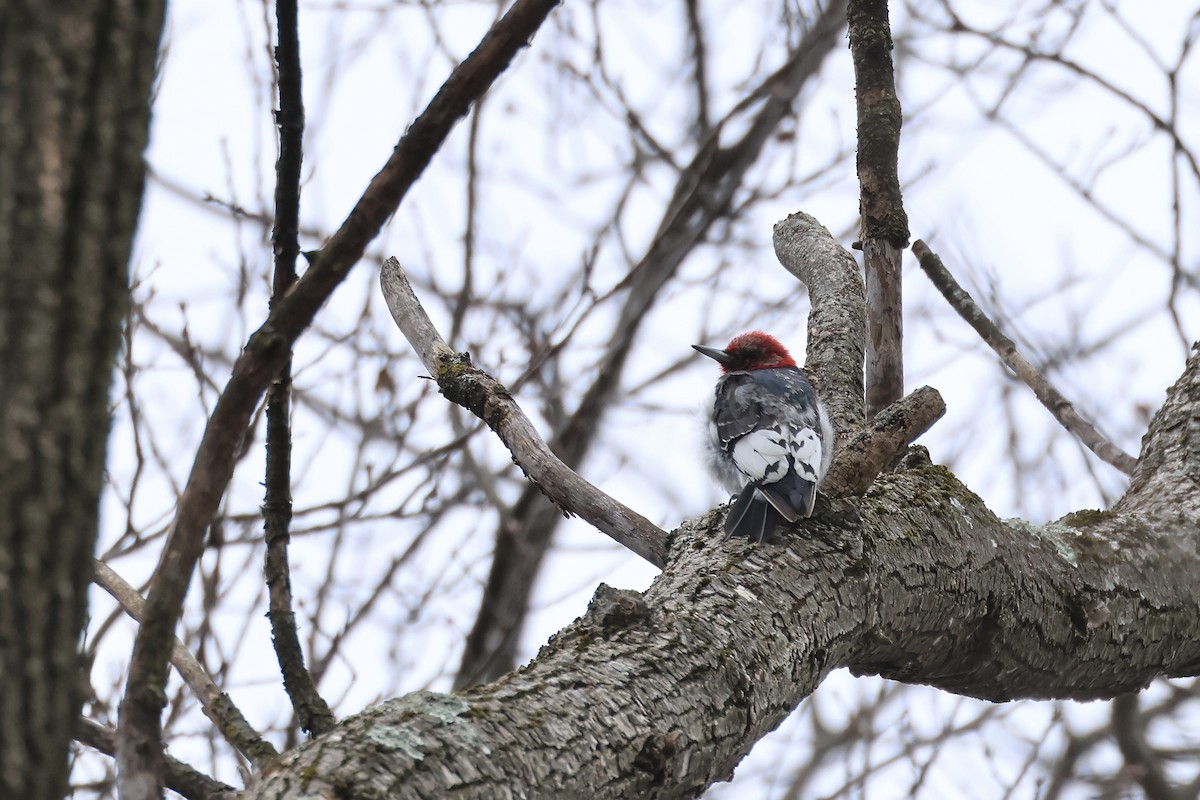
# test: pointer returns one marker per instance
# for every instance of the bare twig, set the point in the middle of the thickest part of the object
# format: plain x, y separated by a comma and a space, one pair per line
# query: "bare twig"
699, 55
869, 451
1140, 760
1159, 123
181, 778
884, 223
1051, 398
468, 386
312, 712
139, 740
215, 704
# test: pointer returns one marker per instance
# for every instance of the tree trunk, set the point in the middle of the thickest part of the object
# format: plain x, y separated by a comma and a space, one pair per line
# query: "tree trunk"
74, 117
660, 695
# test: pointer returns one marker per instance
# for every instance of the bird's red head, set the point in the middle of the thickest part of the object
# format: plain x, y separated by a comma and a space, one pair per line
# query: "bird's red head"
750, 351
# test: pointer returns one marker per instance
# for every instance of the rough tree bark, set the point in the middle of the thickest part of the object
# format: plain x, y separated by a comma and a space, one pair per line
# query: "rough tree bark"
74, 118
662, 693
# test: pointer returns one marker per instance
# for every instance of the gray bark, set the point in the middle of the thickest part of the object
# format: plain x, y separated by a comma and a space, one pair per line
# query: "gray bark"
662, 694
74, 119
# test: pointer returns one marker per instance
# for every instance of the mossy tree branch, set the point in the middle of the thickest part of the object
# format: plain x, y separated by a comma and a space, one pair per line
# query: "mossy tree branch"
665, 692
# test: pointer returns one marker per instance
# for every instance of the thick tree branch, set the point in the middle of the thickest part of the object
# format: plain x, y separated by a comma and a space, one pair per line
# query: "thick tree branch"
1051, 398
920, 584
464, 384
837, 319
884, 223
139, 741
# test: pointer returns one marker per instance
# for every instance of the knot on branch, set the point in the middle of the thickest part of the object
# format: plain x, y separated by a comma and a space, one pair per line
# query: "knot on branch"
463, 383
656, 755
616, 608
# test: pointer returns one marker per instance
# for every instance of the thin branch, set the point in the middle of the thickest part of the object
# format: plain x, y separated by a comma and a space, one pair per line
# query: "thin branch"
1158, 122
1050, 397
311, 710
884, 223
464, 384
181, 778
215, 704
139, 740
699, 55
1140, 760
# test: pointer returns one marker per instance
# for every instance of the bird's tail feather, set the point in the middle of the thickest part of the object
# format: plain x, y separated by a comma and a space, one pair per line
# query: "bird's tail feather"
752, 517
793, 498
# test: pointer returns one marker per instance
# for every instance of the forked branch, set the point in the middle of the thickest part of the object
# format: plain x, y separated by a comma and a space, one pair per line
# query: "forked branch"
215, 704
872, 449
836, 345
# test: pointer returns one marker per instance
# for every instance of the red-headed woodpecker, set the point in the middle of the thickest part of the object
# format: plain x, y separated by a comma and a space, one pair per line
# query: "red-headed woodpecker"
769, 436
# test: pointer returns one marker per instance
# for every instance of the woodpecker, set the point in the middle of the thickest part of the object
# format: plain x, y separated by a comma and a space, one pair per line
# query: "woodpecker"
770, 441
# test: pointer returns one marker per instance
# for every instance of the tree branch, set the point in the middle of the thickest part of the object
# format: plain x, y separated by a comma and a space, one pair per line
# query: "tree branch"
884, 223
920, 584
837, 319
1004, 347
311, 710
872, 449
181, 778
215, 704
1166, 479
1140, 760
139, 740
464, 384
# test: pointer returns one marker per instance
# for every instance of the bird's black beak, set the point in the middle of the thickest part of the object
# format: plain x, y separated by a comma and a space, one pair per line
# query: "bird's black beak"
720, 356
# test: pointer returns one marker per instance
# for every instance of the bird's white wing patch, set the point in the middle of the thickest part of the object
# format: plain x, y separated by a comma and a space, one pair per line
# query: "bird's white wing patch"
767, 454
806, 449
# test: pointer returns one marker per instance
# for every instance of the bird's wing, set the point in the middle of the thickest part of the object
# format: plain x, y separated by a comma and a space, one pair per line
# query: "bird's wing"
773, 442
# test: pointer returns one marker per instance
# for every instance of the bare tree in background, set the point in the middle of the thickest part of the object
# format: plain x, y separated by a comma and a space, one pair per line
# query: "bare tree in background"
408, 512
